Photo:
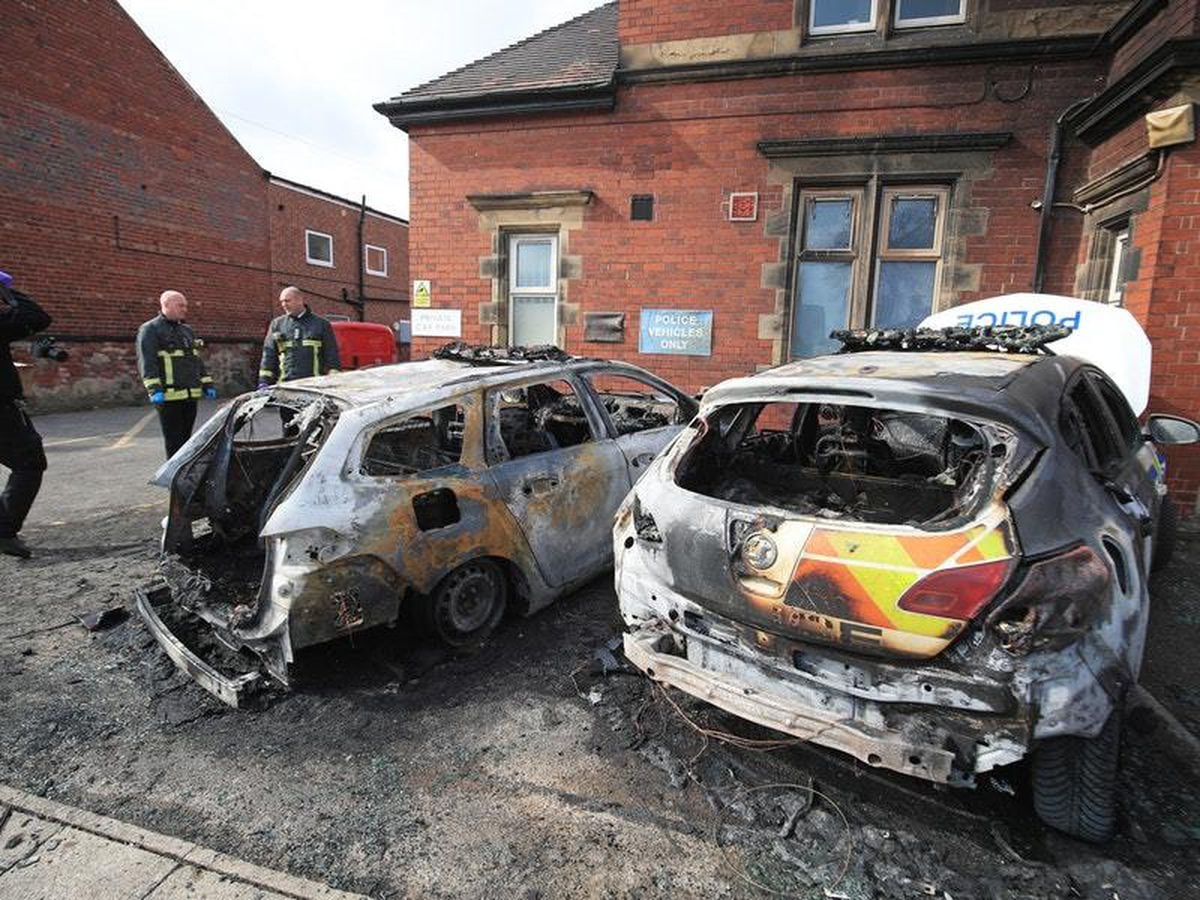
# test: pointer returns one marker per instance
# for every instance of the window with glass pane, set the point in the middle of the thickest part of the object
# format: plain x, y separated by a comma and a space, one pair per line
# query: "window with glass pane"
827, 223
909, 256
1115, 293
534, 260
824, 273
929, 12
833, 16
533, 289
822, 305
912, 223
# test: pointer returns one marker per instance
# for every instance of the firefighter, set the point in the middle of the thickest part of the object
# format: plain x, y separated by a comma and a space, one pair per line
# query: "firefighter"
172, 370
299, 344
20, 444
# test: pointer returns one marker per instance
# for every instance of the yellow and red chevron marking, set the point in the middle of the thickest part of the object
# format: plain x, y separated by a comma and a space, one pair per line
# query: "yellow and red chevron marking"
860, 576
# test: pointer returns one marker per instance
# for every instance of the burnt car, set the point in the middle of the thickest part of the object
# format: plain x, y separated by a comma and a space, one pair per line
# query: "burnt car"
932, 559
446, 490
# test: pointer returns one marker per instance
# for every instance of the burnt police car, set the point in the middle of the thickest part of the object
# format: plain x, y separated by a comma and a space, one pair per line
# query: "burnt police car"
929, 551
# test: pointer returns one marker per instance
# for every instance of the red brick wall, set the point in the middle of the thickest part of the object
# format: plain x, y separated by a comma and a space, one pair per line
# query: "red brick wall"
644, 21
117, 182
1165, 297
294, 211
1177, 20
690, 145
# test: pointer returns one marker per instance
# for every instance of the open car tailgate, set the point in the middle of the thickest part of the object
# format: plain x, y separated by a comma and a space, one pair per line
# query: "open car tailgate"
229, 689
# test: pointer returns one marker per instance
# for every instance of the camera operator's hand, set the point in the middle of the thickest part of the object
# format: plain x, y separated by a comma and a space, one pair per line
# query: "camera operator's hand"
158, 398
210, 393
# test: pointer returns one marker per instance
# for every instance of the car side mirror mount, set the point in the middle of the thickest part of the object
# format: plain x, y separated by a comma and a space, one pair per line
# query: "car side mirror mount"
1172, 430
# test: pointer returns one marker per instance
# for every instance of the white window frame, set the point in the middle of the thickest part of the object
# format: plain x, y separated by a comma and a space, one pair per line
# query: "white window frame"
551, 290
931, 20
367, 260
841, 29
312, 261
1114, 294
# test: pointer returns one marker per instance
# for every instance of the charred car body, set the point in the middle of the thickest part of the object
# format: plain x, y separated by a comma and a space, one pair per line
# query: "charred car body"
449, 489
934, 561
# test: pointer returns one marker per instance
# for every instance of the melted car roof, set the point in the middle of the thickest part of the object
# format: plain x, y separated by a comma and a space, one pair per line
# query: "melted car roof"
363, 387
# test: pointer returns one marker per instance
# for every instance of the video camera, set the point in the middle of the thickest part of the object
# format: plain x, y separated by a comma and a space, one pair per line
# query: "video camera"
45, 347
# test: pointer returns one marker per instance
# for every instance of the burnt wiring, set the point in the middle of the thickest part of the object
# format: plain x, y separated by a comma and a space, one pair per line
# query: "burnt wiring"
813, 793
1002, 339
479, 355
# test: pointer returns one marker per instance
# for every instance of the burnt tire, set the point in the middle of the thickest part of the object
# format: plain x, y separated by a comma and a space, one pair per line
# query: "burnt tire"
467, 604
1075, 782
1164, 533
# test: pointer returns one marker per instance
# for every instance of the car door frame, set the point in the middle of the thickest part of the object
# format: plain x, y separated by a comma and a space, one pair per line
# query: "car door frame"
639, 448
563, 500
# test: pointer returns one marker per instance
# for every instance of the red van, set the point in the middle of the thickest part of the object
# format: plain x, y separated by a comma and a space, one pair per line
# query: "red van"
364, 344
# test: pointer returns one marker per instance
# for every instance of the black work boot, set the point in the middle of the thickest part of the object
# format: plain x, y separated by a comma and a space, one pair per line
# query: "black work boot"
14, 546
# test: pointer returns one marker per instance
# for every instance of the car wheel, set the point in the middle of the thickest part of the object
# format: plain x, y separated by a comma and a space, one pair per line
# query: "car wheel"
1075, 782
1164, 534
467, 604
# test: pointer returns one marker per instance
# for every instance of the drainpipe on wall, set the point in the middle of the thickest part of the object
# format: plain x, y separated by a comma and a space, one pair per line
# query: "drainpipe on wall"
362, 250
1047, 207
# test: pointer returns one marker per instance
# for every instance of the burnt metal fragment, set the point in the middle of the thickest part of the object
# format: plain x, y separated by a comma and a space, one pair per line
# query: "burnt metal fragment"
102, 619
1006, 339
479, 355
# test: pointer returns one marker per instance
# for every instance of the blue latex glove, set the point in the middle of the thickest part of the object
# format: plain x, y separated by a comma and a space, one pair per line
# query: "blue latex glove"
210, 393
158, 398
263, 387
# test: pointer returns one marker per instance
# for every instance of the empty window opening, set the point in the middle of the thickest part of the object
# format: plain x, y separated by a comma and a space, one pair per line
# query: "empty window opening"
831, 461
536, 418
417, 443
634, 405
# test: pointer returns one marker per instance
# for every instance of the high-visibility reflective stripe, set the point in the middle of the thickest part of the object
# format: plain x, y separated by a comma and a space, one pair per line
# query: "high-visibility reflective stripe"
265, 373
183, 393
860, 576
206, 379
151, 382
316, 352
169, 364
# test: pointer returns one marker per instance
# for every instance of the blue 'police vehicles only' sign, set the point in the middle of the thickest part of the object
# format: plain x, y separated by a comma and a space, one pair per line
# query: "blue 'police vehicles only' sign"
683, 332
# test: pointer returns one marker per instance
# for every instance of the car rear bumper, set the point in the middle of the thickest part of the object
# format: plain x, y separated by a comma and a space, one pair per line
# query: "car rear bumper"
948, 746
228, 689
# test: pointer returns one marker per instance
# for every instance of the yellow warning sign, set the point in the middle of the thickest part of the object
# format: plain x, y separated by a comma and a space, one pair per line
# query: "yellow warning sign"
422, 296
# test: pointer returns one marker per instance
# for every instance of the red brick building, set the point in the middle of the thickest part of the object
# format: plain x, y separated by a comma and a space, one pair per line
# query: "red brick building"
117, 182
796, 165
337, 251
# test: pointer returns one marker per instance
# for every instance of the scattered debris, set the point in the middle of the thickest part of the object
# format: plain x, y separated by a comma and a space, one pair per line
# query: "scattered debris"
1004, 339
483, 355
100, 620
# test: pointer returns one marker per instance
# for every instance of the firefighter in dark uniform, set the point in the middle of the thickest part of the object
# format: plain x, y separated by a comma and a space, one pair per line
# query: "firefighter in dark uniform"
20, 444
299, 344
172, 370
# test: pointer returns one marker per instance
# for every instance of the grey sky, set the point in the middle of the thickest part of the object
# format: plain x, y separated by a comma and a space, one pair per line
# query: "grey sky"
294, 80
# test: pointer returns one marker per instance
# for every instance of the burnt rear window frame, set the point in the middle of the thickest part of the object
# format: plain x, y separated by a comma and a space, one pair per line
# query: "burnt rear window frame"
1103, 444
368, 438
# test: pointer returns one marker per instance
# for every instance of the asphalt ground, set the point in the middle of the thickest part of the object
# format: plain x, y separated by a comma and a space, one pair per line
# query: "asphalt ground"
101, 461
397, 770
